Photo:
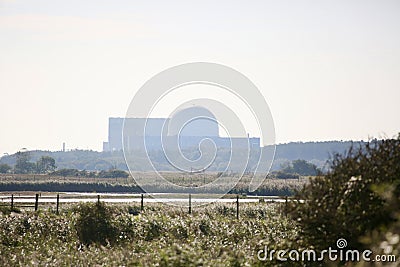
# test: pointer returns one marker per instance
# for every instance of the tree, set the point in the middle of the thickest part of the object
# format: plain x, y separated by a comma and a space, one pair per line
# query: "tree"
301, 167
4, 168
45, 164
346, 202
23, 164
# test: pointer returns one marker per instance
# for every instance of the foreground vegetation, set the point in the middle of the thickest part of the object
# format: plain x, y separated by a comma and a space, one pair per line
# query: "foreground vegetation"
357, 200
95, 234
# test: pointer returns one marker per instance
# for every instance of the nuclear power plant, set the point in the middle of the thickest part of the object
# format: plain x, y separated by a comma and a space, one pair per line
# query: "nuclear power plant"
190, 134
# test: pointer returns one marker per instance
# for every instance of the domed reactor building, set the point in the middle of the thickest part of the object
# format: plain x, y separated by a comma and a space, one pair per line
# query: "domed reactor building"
191, 125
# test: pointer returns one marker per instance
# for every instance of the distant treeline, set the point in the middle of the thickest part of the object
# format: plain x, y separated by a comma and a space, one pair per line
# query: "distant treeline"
315, 152
47, 165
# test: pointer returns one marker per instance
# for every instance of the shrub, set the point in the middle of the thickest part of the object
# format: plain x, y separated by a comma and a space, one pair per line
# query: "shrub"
134, 210
94, 224
345, 203
8, 210
153, 230
386, 239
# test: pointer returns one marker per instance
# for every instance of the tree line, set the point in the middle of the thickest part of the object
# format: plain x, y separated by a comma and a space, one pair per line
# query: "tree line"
23, 164
47, 165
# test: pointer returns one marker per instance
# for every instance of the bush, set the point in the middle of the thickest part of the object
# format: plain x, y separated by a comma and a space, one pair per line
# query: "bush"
386, 239
345, 203
94, 224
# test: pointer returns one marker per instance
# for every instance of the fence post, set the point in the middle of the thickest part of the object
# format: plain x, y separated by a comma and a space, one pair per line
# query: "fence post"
36, 202
98, 199
286, 205
237, 207
190, 203
58, 203
141, 203
12, 202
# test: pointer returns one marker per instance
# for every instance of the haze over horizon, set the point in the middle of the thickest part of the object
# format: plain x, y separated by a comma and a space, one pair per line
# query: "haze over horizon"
328, 70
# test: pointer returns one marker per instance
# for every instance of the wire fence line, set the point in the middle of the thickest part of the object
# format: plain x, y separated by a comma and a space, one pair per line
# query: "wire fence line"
35, 200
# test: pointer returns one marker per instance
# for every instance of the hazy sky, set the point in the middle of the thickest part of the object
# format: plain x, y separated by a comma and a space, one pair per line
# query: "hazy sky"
329, 70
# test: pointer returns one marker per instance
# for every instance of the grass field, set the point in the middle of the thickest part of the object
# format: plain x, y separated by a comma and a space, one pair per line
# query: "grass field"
161, 235
31, 182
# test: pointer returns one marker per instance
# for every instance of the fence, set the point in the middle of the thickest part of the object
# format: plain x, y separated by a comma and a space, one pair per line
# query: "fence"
15, 201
